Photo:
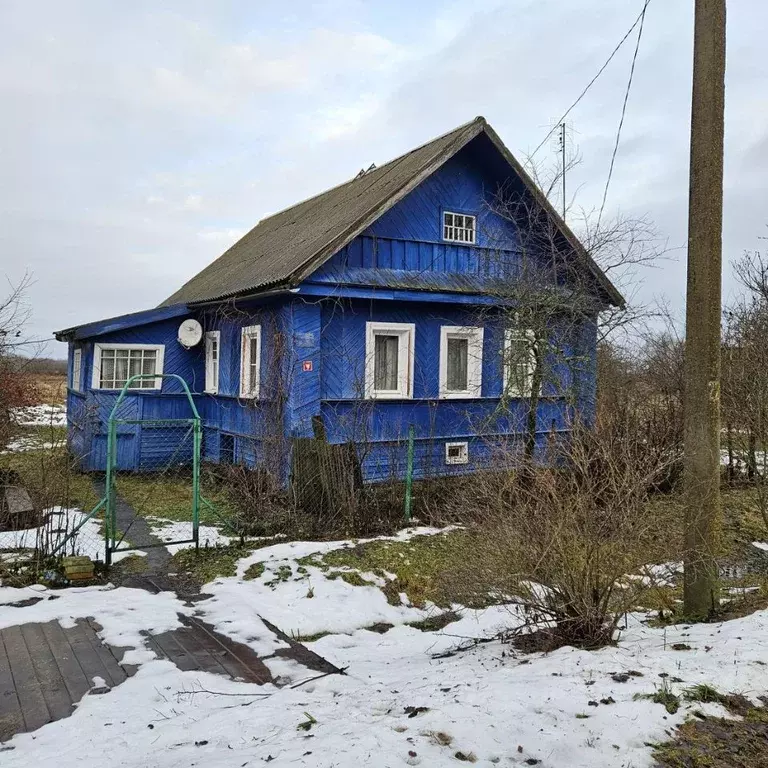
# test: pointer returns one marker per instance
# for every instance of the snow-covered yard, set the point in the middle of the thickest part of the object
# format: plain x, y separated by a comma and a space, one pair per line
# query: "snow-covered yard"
43, 415
397, 704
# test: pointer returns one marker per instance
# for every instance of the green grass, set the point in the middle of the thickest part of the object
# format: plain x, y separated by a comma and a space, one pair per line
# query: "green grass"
663, 696
417, 564
50, 477
714, 742
254, 571
170, 498
133, 564
208, 563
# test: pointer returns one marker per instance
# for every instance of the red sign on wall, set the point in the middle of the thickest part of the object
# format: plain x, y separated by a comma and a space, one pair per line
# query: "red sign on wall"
306, 366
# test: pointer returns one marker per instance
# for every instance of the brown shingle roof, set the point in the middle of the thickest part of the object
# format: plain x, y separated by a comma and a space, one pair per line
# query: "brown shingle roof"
283, 249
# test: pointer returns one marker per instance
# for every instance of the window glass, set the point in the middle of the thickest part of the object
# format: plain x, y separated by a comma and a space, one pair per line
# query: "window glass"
458, 354
212, 362
117, 365
77, 358
458, 228
385, 362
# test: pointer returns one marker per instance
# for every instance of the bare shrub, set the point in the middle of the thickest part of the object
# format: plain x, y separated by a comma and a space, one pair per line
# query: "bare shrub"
564, 538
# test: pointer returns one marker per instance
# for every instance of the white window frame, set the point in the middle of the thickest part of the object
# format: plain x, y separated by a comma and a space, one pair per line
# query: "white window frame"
462, 458
76, 381
512, 388
159, 361
406, 333
458, 231
212, 371
474, 337
249, 384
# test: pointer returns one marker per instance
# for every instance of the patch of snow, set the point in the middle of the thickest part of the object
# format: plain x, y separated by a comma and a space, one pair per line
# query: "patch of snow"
28, 443
123, 613
303, 603
168, 530
88, 542
43, 415
761, 545
484, 699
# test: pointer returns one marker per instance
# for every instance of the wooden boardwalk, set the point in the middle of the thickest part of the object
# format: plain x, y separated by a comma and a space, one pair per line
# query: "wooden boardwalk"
46, 669
197, 647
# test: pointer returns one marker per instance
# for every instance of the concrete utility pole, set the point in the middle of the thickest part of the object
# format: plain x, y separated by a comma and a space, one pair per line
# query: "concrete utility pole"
702, 338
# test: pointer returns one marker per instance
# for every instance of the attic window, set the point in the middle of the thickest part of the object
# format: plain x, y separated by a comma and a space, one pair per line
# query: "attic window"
458, 227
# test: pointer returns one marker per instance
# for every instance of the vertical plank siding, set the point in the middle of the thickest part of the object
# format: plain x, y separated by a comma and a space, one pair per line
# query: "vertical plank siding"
313, 349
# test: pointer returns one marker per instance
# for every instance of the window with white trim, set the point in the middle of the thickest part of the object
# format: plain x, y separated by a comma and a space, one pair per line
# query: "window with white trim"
115, 364
389, 360
250, 361
212, 353
459, 228
76, 381
461, 361
519, 362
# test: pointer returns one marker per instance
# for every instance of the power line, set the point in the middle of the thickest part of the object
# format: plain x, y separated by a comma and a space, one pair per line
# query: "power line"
623, 112
638, 20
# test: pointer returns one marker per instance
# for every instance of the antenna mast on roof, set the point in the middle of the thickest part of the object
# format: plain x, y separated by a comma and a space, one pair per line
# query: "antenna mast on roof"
363, 171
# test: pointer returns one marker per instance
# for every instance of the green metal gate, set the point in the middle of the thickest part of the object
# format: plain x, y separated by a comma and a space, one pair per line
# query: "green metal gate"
148, 461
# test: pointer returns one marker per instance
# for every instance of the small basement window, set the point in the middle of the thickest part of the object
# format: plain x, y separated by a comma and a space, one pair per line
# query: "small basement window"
212, 350
461, 361
389, 360
115, 364
456, 453
459, 228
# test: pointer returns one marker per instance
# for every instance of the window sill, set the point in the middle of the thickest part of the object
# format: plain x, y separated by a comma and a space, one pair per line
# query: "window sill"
387, 396
460, 396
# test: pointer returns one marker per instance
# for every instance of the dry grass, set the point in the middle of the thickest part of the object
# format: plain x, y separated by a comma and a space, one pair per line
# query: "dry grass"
563, 537
52, 388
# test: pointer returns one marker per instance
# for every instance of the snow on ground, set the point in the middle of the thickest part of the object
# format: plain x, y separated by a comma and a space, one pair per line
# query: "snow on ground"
490, 702
43, 415
61, 521
88, 542
168, 530
761, 545
123, 613
303, 602
28, 443
487, 701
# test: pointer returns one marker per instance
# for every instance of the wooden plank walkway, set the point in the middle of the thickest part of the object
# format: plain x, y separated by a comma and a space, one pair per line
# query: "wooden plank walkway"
46, 669
197, 646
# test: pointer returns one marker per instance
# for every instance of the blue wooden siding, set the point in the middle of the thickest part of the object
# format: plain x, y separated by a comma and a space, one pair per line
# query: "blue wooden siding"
313, 348
487, 424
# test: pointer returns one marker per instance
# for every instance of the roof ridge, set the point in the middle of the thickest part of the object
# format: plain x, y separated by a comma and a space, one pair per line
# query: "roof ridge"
479, 119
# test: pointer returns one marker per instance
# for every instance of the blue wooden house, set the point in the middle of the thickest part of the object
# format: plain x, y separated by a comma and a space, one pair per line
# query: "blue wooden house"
353, 316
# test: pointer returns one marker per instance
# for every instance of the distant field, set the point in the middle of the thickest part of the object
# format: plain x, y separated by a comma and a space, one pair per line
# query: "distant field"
52, 387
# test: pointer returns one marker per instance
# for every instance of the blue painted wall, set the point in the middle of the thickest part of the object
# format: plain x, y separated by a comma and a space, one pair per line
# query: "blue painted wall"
313, 347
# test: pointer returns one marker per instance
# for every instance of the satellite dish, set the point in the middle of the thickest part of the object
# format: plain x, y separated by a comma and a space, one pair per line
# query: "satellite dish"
190, 333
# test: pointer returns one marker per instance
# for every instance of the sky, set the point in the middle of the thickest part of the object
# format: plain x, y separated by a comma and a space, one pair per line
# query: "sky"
139, 140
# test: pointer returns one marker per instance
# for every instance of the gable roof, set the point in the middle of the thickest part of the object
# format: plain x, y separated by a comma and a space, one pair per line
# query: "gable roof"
285, 248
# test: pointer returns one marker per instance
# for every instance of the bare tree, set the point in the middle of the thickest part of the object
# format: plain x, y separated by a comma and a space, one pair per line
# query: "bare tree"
16, 385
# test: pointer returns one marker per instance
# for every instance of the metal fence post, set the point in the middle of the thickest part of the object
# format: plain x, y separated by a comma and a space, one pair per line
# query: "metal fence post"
409, 476
196, 482
110, 521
